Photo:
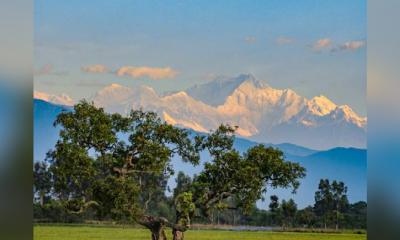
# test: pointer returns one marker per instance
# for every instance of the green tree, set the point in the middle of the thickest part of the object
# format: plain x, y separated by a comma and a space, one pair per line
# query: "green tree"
306, 217
355, 216
330, 201
324, 201
340, 201
183, 183
93, 166
41, 181
289, 210
275, 210
241, 178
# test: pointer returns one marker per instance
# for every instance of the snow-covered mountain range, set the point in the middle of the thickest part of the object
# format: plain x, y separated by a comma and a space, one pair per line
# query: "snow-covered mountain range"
262, 113
62, 99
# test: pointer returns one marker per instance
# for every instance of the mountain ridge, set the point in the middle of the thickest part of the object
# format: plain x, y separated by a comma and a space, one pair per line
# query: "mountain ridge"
262, 113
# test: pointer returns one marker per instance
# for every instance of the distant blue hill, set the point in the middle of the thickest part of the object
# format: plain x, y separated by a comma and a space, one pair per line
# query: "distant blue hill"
289, 149
45, 134
345, 164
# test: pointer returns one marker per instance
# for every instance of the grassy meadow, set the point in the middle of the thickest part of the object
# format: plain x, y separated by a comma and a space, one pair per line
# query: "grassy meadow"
44, 232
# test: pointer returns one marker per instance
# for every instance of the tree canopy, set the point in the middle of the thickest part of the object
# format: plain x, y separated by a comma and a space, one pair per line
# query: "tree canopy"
119, 166
331, 201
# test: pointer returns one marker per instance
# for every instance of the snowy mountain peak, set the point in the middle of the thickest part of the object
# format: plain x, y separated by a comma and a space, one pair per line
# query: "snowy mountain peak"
259, 84
215, 92
321, 105
144, 89
345, 113
62, 99
119, 91
239, 79
252, 84
180, 94
347, 110
113, 91
114, 87
112, 94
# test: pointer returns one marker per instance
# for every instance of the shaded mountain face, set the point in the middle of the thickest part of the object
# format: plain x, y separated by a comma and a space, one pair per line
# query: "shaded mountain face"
345, 164
215, 93
262, 113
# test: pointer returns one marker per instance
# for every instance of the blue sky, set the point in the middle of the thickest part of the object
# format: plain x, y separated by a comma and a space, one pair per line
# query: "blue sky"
314, 47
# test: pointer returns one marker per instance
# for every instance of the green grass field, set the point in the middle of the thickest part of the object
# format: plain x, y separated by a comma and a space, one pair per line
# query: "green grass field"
118, 233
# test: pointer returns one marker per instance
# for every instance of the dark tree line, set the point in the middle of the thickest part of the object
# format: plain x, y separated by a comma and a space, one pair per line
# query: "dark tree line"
331, 210
286, 214
107, 166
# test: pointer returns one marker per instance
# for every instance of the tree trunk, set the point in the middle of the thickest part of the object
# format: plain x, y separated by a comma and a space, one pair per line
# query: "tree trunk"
182, 223
337, 220
158, 234
41, 199
179, 228
156, 225
337, 216
177, 235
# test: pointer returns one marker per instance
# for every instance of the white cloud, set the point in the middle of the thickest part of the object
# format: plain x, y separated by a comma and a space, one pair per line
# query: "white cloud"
322, 44
154, 73
352, 46
327, 43
97, 68
144, 71
250, 39
46, 69
284, 40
